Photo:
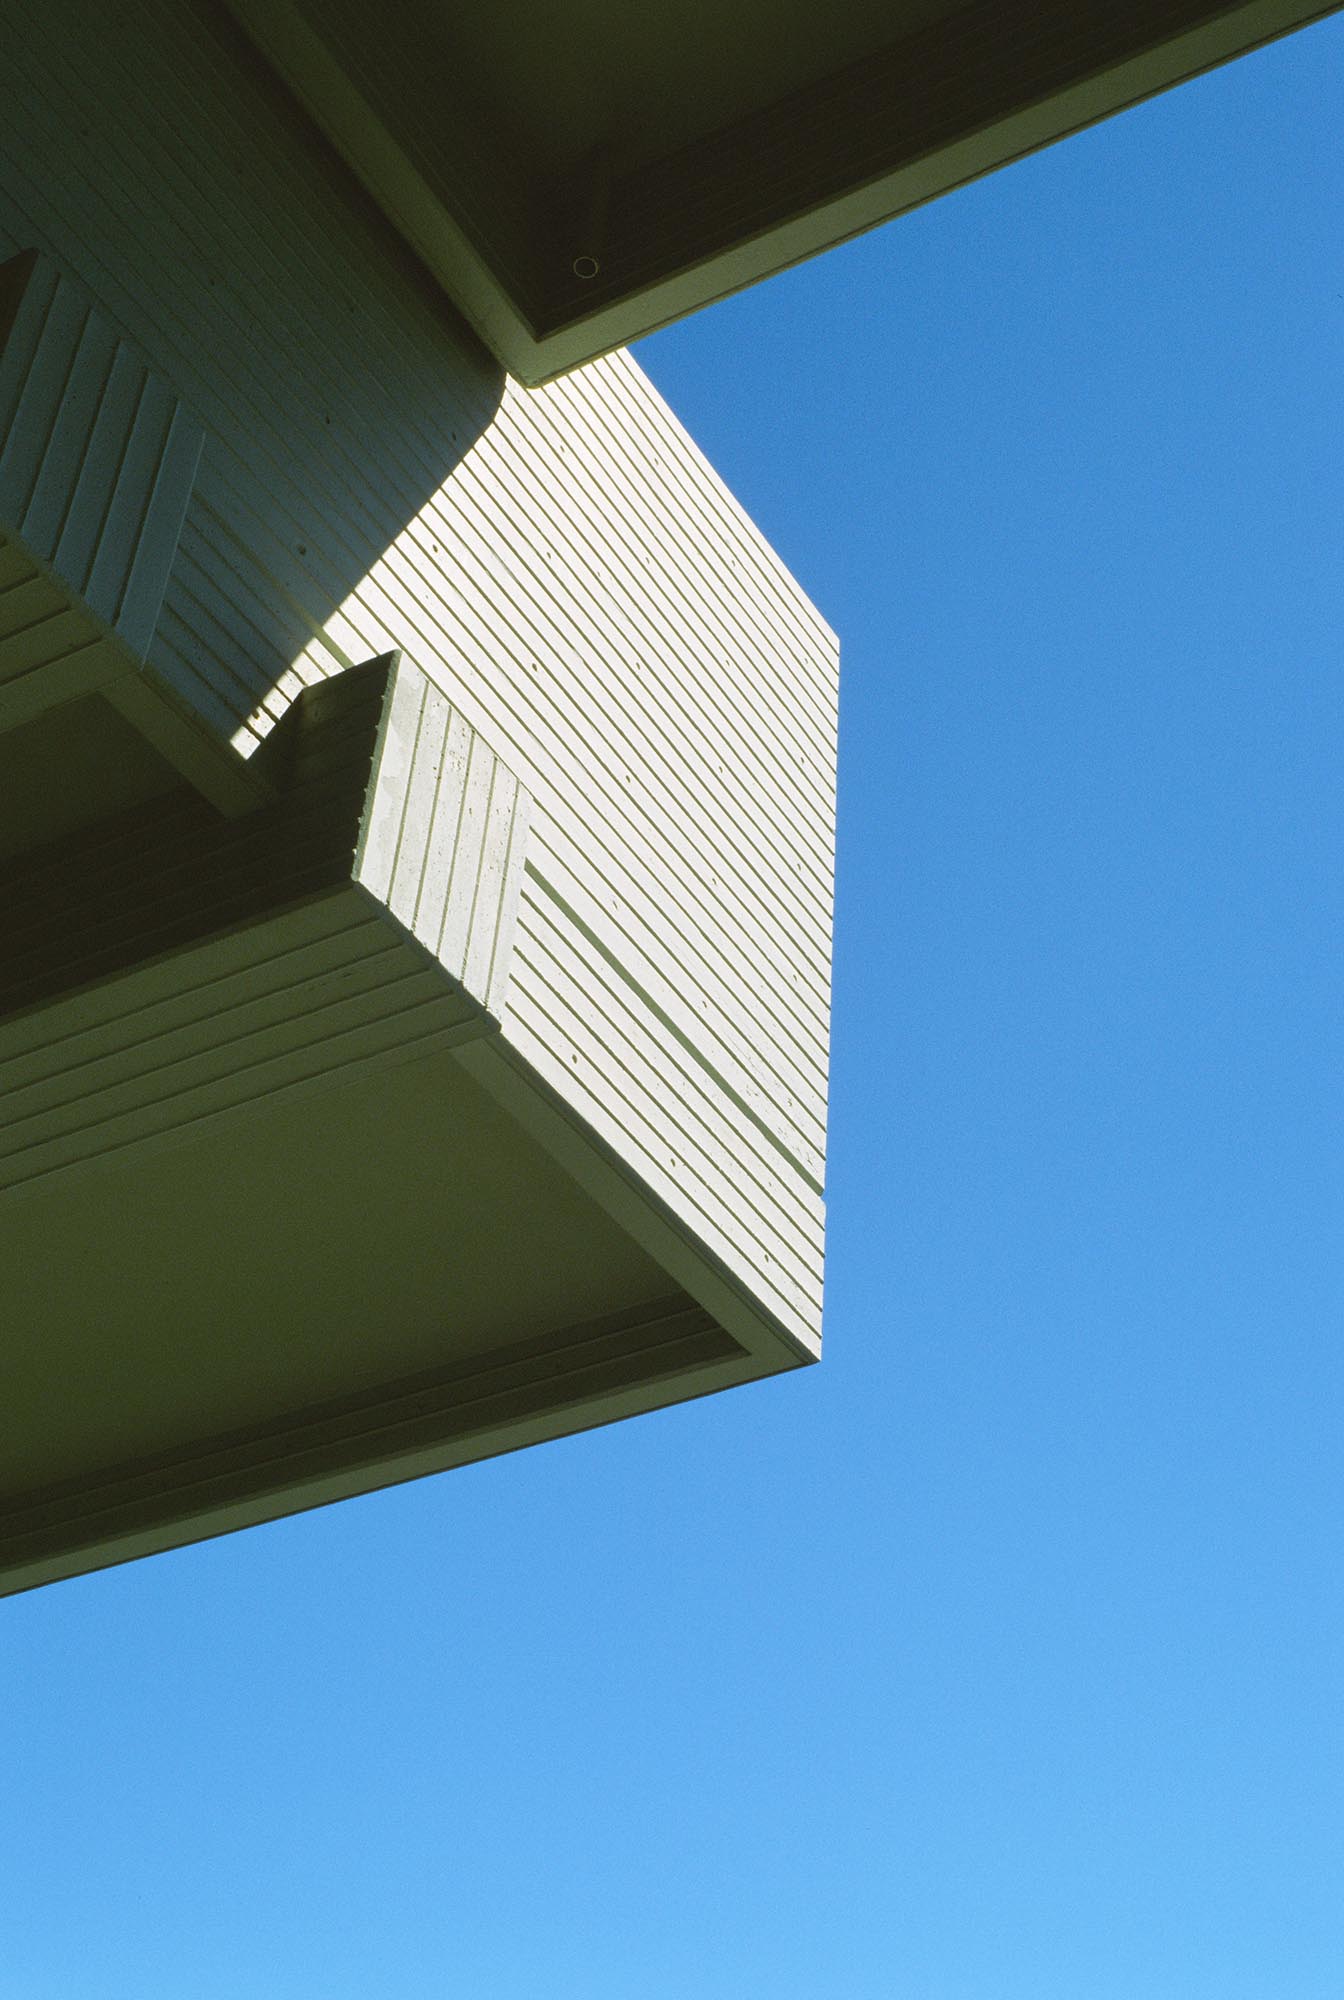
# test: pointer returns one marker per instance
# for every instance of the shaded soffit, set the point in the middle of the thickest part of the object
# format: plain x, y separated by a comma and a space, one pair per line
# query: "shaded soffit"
281, 1218
577, 174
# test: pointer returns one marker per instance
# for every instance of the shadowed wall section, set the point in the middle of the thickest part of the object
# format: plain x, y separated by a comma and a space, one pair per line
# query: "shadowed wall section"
571, 856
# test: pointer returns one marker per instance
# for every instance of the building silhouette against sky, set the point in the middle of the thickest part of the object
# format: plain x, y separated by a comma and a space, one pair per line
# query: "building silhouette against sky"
416, 773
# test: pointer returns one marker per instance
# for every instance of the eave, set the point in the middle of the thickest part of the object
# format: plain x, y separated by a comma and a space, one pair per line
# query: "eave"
555, 255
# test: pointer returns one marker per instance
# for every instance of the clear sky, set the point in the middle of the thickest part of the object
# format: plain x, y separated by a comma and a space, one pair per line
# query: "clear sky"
1001, 1657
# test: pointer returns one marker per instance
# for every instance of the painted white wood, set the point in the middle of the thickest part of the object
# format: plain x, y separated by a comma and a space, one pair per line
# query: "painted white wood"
97, 455
593, 1048
264, 1014
454, 749
445, 837
597, 620
50, 650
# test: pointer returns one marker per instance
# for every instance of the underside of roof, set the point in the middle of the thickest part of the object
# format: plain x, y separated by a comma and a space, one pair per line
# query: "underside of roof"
575, 176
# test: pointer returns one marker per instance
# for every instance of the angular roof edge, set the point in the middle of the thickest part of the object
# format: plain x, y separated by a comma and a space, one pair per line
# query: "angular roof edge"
553, 266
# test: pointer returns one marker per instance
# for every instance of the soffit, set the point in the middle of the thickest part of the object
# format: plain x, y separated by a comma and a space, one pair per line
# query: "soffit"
576, 174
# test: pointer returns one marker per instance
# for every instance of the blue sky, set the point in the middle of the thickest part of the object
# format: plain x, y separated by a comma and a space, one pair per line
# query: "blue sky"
1001, 1657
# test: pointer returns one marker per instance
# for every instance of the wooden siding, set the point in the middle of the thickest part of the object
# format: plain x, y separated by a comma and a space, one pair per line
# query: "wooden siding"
562, 564
171, 966
97, 455
277, 1011
445, 838
50, 649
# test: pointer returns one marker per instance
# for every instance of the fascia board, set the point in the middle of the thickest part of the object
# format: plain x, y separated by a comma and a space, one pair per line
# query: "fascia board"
911, 186
596, 1168
538, 354
116, 1541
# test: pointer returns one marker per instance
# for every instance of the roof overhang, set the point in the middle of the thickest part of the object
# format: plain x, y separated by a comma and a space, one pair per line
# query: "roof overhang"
285, 1214
282, 1218
576, 176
